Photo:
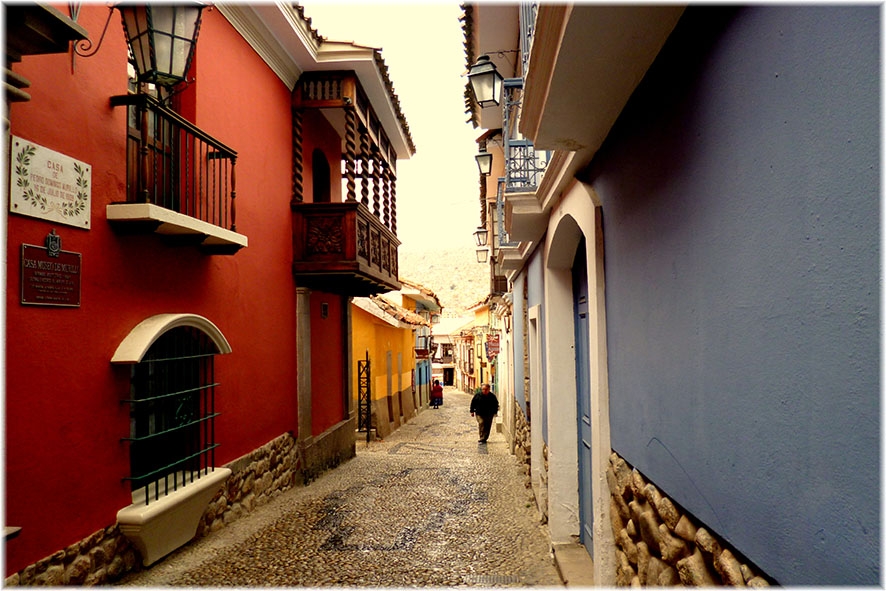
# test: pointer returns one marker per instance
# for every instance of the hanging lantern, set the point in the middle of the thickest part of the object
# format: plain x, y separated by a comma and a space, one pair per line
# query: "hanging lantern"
161, 38
484, 162
485, 82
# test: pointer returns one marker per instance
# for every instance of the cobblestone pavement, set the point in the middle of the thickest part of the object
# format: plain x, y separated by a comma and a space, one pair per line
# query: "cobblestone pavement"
428, 506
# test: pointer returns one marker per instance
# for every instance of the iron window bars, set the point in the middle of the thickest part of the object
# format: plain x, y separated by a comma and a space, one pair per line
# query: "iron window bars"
172, 413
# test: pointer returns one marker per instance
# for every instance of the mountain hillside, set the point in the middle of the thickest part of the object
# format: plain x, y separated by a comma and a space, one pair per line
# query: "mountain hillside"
452, 273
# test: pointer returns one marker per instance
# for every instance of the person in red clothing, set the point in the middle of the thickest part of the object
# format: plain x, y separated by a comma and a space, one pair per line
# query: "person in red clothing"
436, 394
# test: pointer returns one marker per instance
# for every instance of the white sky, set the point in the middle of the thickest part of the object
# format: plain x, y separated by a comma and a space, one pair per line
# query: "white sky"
422, 45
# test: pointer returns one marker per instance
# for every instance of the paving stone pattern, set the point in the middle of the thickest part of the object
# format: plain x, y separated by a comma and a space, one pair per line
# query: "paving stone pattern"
428, 506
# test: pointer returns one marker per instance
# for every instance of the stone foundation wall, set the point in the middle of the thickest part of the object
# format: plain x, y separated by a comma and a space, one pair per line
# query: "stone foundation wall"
660, 545
256, 478
523, 453
101, 558
334, 446
523, 441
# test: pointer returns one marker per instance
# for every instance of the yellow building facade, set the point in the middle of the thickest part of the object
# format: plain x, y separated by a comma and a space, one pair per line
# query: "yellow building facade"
383, 334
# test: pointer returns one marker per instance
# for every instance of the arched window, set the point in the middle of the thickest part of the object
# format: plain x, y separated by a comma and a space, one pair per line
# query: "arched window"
172, 401
321, 174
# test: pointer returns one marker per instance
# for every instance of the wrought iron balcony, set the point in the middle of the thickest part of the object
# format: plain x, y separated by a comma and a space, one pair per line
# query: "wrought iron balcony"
181, 182
343, 248
524, 165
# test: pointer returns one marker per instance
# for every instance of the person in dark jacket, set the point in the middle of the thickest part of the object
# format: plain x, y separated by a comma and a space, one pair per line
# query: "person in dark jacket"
484, 406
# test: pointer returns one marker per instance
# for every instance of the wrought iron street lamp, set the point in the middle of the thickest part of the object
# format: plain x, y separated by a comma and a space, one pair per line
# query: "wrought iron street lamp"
481, 235
484, 162
162, 38
482, 255
485, 82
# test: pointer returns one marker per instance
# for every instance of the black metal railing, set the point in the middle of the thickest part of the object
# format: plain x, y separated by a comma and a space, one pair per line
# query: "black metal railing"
364, 396
172, 413
174, 164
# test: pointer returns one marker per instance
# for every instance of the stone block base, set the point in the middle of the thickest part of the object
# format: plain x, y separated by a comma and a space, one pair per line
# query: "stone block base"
660, 545
330, 449
103, 557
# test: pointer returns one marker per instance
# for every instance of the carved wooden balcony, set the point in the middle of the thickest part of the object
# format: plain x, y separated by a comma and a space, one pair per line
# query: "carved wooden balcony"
343, 248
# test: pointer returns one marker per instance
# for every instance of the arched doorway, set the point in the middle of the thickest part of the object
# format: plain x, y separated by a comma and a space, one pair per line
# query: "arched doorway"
577, 379
583, 395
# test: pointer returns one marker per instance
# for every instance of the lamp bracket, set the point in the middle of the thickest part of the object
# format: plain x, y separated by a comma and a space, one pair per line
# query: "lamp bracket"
82, 48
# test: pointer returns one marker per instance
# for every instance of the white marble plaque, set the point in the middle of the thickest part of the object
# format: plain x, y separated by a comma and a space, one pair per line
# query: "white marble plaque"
49, 185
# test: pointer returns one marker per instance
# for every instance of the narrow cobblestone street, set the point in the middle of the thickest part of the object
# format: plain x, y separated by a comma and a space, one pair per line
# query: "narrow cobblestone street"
428, 506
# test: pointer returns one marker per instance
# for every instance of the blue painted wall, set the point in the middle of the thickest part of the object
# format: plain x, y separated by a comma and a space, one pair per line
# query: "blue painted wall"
422, 372
740, 192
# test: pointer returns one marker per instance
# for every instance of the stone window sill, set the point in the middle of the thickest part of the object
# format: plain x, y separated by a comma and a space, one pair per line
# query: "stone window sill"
171, 521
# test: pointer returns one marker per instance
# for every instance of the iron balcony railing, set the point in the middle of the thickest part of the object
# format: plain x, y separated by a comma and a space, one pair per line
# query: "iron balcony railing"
524, 166
528, 12
174, 164
504, 238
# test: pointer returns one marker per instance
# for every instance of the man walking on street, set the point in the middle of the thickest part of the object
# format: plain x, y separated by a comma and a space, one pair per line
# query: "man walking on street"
484, 406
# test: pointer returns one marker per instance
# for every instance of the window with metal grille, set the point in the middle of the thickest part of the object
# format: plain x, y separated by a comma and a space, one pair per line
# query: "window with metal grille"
172, 412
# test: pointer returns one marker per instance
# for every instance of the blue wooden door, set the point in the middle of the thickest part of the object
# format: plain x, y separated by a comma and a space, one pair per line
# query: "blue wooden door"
583, 395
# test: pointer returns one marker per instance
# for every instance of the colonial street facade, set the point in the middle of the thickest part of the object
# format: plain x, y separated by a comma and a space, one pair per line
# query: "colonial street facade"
684, 204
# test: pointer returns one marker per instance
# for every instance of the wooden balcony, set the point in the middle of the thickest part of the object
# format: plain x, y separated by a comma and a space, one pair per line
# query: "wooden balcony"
343, 248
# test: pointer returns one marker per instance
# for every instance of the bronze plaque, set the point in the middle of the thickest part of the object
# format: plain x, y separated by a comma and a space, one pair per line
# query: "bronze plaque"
49, 280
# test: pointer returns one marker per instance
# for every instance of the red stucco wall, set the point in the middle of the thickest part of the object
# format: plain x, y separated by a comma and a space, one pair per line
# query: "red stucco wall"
328, 346
64, 419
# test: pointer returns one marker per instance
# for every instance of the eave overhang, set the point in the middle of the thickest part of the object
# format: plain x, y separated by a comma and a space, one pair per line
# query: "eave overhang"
371, 306
421, 295
285, 40
490, 28
38, 29
585, 63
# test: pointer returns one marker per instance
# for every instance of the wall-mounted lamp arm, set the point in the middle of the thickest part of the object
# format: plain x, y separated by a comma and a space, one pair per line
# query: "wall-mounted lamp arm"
82, 48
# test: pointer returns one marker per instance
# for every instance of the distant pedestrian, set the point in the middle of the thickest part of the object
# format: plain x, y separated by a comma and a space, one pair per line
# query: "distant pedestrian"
436, 394
484, 405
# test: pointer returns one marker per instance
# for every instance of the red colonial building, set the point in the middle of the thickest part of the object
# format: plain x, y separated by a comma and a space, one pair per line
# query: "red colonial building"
181, 250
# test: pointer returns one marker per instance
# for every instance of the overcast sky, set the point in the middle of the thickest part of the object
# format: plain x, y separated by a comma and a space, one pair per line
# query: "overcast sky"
422, 45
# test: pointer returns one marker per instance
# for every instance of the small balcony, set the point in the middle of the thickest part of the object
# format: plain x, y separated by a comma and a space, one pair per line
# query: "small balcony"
343, 248
181, 182
423, 347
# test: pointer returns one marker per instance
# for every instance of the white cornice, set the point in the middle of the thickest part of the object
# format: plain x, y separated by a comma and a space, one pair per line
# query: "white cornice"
286, 42
246, 20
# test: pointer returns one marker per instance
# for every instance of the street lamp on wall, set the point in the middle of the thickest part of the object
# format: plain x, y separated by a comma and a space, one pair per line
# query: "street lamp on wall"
484, 162
481, 236
162, 38
485, 82
482, 255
